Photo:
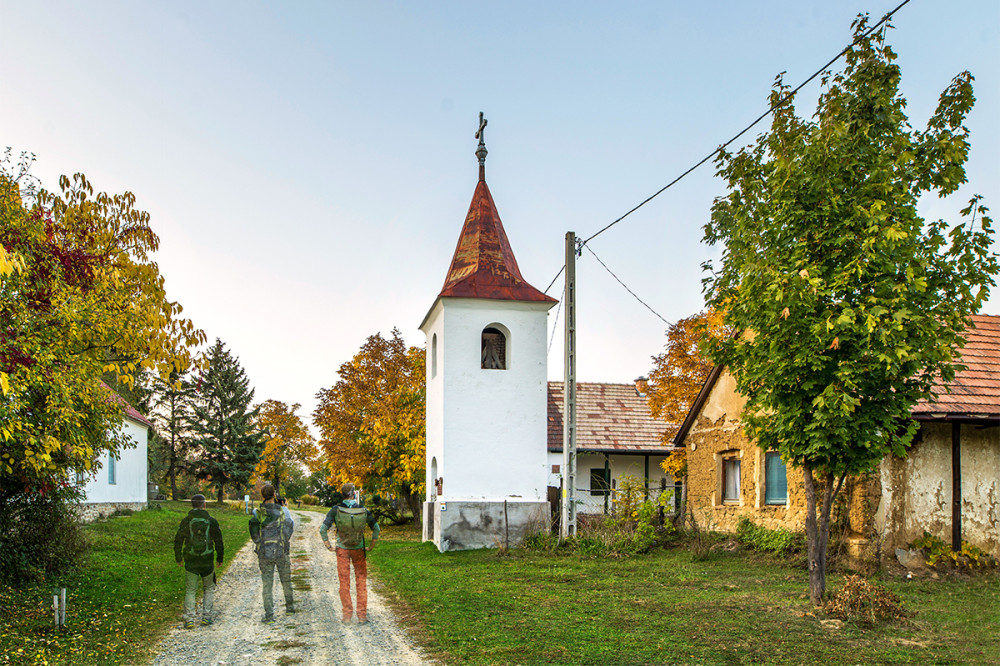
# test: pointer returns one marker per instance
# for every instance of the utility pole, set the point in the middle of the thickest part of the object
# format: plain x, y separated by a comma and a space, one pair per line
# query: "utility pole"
567, 523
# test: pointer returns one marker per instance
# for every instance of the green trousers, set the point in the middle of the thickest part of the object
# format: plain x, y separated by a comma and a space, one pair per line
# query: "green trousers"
267, 567
191, 588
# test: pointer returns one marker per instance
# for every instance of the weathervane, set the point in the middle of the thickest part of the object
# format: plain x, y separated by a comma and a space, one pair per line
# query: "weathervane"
481, 150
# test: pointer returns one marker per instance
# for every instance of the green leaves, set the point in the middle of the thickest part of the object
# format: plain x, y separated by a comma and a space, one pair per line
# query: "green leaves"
854, 302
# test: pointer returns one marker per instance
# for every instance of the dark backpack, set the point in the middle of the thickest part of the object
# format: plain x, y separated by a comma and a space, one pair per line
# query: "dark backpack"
272, 535
199, 542
351, 525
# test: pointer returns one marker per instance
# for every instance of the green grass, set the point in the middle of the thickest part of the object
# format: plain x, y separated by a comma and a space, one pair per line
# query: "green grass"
124, 597
735, 608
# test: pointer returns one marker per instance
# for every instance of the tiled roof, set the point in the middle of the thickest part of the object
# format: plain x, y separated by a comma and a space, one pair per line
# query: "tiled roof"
975, 391
484, 265
130, 411
610, 418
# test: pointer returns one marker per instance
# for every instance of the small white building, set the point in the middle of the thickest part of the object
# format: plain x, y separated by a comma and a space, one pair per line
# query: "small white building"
616, 437
487, 471
119, 483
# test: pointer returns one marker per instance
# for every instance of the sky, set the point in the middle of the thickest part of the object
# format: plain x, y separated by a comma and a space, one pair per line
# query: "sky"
308, 165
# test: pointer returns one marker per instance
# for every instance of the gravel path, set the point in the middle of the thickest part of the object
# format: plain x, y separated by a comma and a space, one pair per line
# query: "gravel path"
312, 636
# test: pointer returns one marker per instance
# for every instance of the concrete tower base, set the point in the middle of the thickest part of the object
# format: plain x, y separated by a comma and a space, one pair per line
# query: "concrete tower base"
470, 524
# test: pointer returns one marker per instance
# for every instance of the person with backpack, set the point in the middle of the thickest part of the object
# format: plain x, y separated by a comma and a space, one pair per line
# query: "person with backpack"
198, 539
271, 528
350, 519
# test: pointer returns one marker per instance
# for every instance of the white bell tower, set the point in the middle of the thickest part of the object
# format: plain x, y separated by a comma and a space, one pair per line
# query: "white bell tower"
486, 391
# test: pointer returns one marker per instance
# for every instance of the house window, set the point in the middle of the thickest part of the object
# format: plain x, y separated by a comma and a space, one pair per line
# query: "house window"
600, 484
112, 470
775, 479
434, 356
730, 480
494, 349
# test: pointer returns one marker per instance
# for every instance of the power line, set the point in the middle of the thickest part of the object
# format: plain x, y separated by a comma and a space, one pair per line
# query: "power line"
555, 324
626, 286
779, 103
746, 129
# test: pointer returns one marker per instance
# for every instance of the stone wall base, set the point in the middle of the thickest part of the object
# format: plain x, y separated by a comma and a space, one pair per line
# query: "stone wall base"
470, 524
88, 512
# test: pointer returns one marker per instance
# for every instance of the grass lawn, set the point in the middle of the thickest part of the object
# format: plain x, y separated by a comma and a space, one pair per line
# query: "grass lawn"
125, 596
478, 607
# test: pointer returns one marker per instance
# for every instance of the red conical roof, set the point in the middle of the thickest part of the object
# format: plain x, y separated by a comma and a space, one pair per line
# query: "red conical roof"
484, 265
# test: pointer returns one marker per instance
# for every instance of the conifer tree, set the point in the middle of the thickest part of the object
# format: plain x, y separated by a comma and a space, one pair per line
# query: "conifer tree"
222, 425
171, 412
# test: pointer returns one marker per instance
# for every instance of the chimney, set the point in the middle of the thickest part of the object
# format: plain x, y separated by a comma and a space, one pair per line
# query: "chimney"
642, 386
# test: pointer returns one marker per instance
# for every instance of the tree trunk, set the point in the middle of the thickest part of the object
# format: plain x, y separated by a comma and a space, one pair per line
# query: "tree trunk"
818, 530
221, 499
276, 482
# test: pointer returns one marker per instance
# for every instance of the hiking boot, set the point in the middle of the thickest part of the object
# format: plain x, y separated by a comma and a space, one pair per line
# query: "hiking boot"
268, 619
290, 609
188, 624
345, 620
206, 621
362, 619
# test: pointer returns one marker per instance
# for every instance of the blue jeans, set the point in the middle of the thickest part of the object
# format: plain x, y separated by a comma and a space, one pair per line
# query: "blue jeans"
208, 584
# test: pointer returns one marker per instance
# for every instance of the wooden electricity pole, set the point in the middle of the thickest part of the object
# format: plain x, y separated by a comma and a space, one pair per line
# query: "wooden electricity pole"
567, 523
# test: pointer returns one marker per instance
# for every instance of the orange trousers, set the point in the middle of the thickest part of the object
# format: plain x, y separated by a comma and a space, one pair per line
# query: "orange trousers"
345, 558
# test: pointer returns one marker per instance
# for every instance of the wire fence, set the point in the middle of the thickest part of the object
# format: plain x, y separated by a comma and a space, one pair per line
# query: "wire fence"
605, 502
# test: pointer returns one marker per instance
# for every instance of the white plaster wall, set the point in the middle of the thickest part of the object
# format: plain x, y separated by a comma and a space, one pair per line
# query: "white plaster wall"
434, 325
917, 493
131, 479
490, 433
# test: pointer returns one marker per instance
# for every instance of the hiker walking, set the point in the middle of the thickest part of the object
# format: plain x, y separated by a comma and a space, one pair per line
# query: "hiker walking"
271, 527
350, 519
197, 539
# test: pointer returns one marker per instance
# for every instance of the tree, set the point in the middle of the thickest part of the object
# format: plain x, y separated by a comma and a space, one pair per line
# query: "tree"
676, 378
288, 444
79, 297
849, 302
372, 420
228, 444
171, 412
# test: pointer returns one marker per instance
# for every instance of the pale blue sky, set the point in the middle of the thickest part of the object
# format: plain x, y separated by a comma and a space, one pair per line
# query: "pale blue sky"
308, 165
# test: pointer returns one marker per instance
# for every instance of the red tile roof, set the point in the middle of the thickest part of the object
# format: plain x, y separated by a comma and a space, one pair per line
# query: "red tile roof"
484, 265
610, 418
975, 391
130, 411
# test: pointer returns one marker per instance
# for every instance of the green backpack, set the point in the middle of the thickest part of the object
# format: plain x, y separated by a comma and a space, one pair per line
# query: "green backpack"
272, 534
199, 542
351, 525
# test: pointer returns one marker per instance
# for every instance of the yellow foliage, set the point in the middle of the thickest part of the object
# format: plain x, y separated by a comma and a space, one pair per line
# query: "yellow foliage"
78, 295
679, 373
372, 419
287, 442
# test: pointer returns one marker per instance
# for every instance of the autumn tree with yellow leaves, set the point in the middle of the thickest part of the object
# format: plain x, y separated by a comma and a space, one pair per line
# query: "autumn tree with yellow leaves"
79, 296
288, 443
678, 375
372, 420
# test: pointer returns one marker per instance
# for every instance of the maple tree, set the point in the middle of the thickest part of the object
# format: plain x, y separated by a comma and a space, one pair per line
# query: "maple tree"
79, 297
850, 302
372, 420
224, 435
288, 445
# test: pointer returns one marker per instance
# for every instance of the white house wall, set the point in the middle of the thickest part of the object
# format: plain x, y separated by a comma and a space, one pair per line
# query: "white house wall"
130, 472
493, 422
917, 490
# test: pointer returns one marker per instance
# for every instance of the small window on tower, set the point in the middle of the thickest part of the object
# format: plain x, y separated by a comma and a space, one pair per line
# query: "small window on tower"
494, 350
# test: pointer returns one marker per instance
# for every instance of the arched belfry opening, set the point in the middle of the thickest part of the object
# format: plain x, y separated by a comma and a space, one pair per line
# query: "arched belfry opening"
493, 349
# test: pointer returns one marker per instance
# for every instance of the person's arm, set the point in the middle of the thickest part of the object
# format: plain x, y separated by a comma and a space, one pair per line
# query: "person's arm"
372, 523
254, 527
216, 533
179, 541
325, 527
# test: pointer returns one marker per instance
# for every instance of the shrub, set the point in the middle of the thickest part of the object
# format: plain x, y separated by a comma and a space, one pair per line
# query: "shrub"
779, 541
866, 603
41, 535
309, 500
938, 551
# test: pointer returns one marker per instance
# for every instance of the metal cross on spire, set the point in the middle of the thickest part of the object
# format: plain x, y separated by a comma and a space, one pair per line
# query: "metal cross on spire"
481, 150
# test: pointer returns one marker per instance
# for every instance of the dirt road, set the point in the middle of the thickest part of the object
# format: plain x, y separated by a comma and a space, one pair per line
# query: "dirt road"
312, 636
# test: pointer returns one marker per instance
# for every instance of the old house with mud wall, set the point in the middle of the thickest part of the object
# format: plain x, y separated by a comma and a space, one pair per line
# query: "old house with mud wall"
948, 484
